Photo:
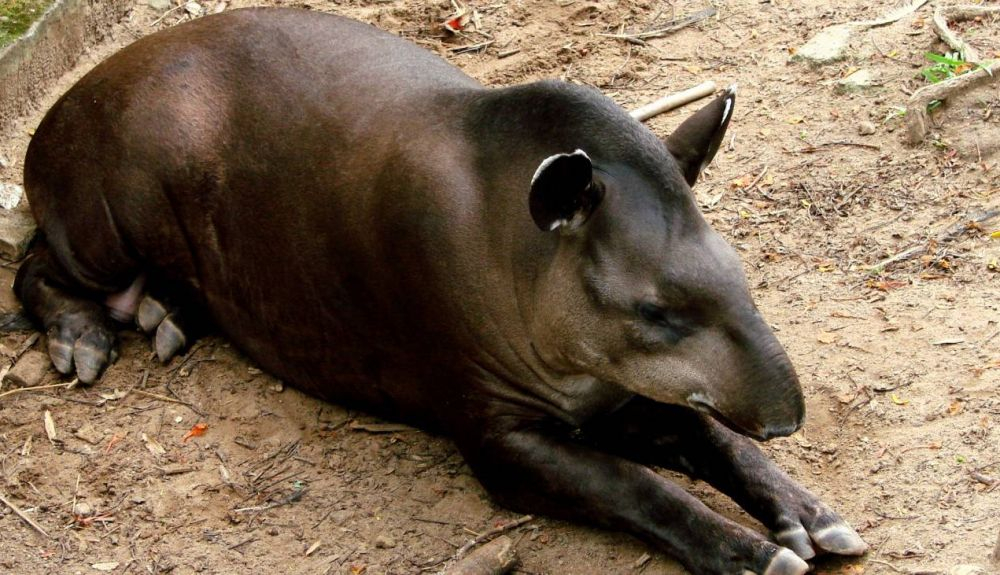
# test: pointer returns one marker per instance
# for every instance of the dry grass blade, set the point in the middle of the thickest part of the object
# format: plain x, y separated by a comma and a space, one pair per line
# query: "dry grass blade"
25, 518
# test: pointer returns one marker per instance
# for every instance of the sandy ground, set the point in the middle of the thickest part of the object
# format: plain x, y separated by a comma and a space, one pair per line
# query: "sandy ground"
900, 365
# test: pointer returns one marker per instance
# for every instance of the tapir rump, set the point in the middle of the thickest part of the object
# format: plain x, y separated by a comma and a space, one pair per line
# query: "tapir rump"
523, 269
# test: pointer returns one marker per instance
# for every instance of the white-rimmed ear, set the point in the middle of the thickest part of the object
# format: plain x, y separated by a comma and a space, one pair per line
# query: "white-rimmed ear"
563, 192
695, 142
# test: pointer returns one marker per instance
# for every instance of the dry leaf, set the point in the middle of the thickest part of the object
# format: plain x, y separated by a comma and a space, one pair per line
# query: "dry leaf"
153, 446
113, 396
312, 548
955, 407
826, 337
50, 426
198, 430
896, 399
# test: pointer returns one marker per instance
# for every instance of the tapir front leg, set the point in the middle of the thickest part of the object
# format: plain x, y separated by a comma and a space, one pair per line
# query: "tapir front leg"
682, 439
539, 470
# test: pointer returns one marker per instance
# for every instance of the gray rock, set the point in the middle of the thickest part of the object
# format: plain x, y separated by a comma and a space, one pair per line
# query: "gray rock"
384, 541
10, 195
866, 128
17, 227
29, 370
160, 4
858, 81
829, 45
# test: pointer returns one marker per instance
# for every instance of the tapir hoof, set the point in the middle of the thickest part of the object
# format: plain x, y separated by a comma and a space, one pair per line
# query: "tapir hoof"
88, 349
820, 531
786, 562
169, 337
840, 539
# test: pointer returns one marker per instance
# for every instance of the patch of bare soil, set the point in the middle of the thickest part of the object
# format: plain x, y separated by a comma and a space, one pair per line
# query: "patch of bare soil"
900, 362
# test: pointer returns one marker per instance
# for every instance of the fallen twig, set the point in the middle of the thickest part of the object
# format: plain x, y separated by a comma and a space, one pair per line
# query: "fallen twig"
814, 148
67, 385
670, 28
492, 533
946, 236
24, 517
673, 101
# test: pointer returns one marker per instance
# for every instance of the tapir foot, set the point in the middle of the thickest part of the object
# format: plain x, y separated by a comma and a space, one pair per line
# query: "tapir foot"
838, 538
679, 438
167, 325
80, 334
81, 341
540, 471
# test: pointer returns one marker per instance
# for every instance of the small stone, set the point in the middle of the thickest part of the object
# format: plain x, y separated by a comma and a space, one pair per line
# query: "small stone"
967, 569
858, 81
29, 370
17, 227
866, 128
193, 8
10, 195
384, 541
83, 509
829, 45
159, 4
87, 433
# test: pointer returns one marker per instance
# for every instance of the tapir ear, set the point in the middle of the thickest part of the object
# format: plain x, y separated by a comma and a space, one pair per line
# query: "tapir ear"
695, 142
563, 191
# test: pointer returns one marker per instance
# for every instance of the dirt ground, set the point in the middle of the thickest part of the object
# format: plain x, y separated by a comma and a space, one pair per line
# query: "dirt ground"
900, 364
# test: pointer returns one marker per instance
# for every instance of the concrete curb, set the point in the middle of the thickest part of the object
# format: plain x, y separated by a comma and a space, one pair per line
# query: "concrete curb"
29, 67
48, 50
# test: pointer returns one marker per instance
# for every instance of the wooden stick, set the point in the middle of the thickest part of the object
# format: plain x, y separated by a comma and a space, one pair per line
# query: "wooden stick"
670, 28
21, 514
673, 101
948, 235
492, 533
67, 385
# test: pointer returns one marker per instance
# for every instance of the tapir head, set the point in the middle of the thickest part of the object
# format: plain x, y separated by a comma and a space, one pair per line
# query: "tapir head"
642, 293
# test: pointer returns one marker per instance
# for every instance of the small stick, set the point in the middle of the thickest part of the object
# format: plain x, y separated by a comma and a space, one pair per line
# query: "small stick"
21, 514
669, 29
492, 533
673, 101
158, 396
810, 149
67, 385
945, 236
996, 550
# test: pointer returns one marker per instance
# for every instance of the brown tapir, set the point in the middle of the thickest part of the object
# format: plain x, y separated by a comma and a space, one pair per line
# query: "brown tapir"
524, 269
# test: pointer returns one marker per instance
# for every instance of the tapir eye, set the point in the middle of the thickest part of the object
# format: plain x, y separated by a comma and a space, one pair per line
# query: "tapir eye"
675, 327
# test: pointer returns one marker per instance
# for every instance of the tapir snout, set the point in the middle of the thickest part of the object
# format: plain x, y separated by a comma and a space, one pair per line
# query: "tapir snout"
764, 399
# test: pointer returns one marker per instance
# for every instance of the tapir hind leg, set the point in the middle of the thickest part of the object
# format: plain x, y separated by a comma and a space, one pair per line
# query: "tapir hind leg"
79, 330
682, 439
534, 469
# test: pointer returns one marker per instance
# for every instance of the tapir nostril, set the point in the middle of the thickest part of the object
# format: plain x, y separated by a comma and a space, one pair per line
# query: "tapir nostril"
771, 432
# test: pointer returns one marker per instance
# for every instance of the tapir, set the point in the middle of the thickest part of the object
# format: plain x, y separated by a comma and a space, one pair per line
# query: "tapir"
523, 269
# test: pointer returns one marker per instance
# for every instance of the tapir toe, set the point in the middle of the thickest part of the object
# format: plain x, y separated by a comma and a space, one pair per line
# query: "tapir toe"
786, 562
841, 539
797, 539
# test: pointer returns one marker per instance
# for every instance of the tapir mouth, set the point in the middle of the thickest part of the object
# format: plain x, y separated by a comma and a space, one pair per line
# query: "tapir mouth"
707, 408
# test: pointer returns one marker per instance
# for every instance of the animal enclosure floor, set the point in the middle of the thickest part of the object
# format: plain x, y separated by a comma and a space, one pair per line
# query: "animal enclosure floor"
900, 363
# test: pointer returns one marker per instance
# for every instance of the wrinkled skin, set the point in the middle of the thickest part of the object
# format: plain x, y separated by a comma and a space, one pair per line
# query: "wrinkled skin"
524, 269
